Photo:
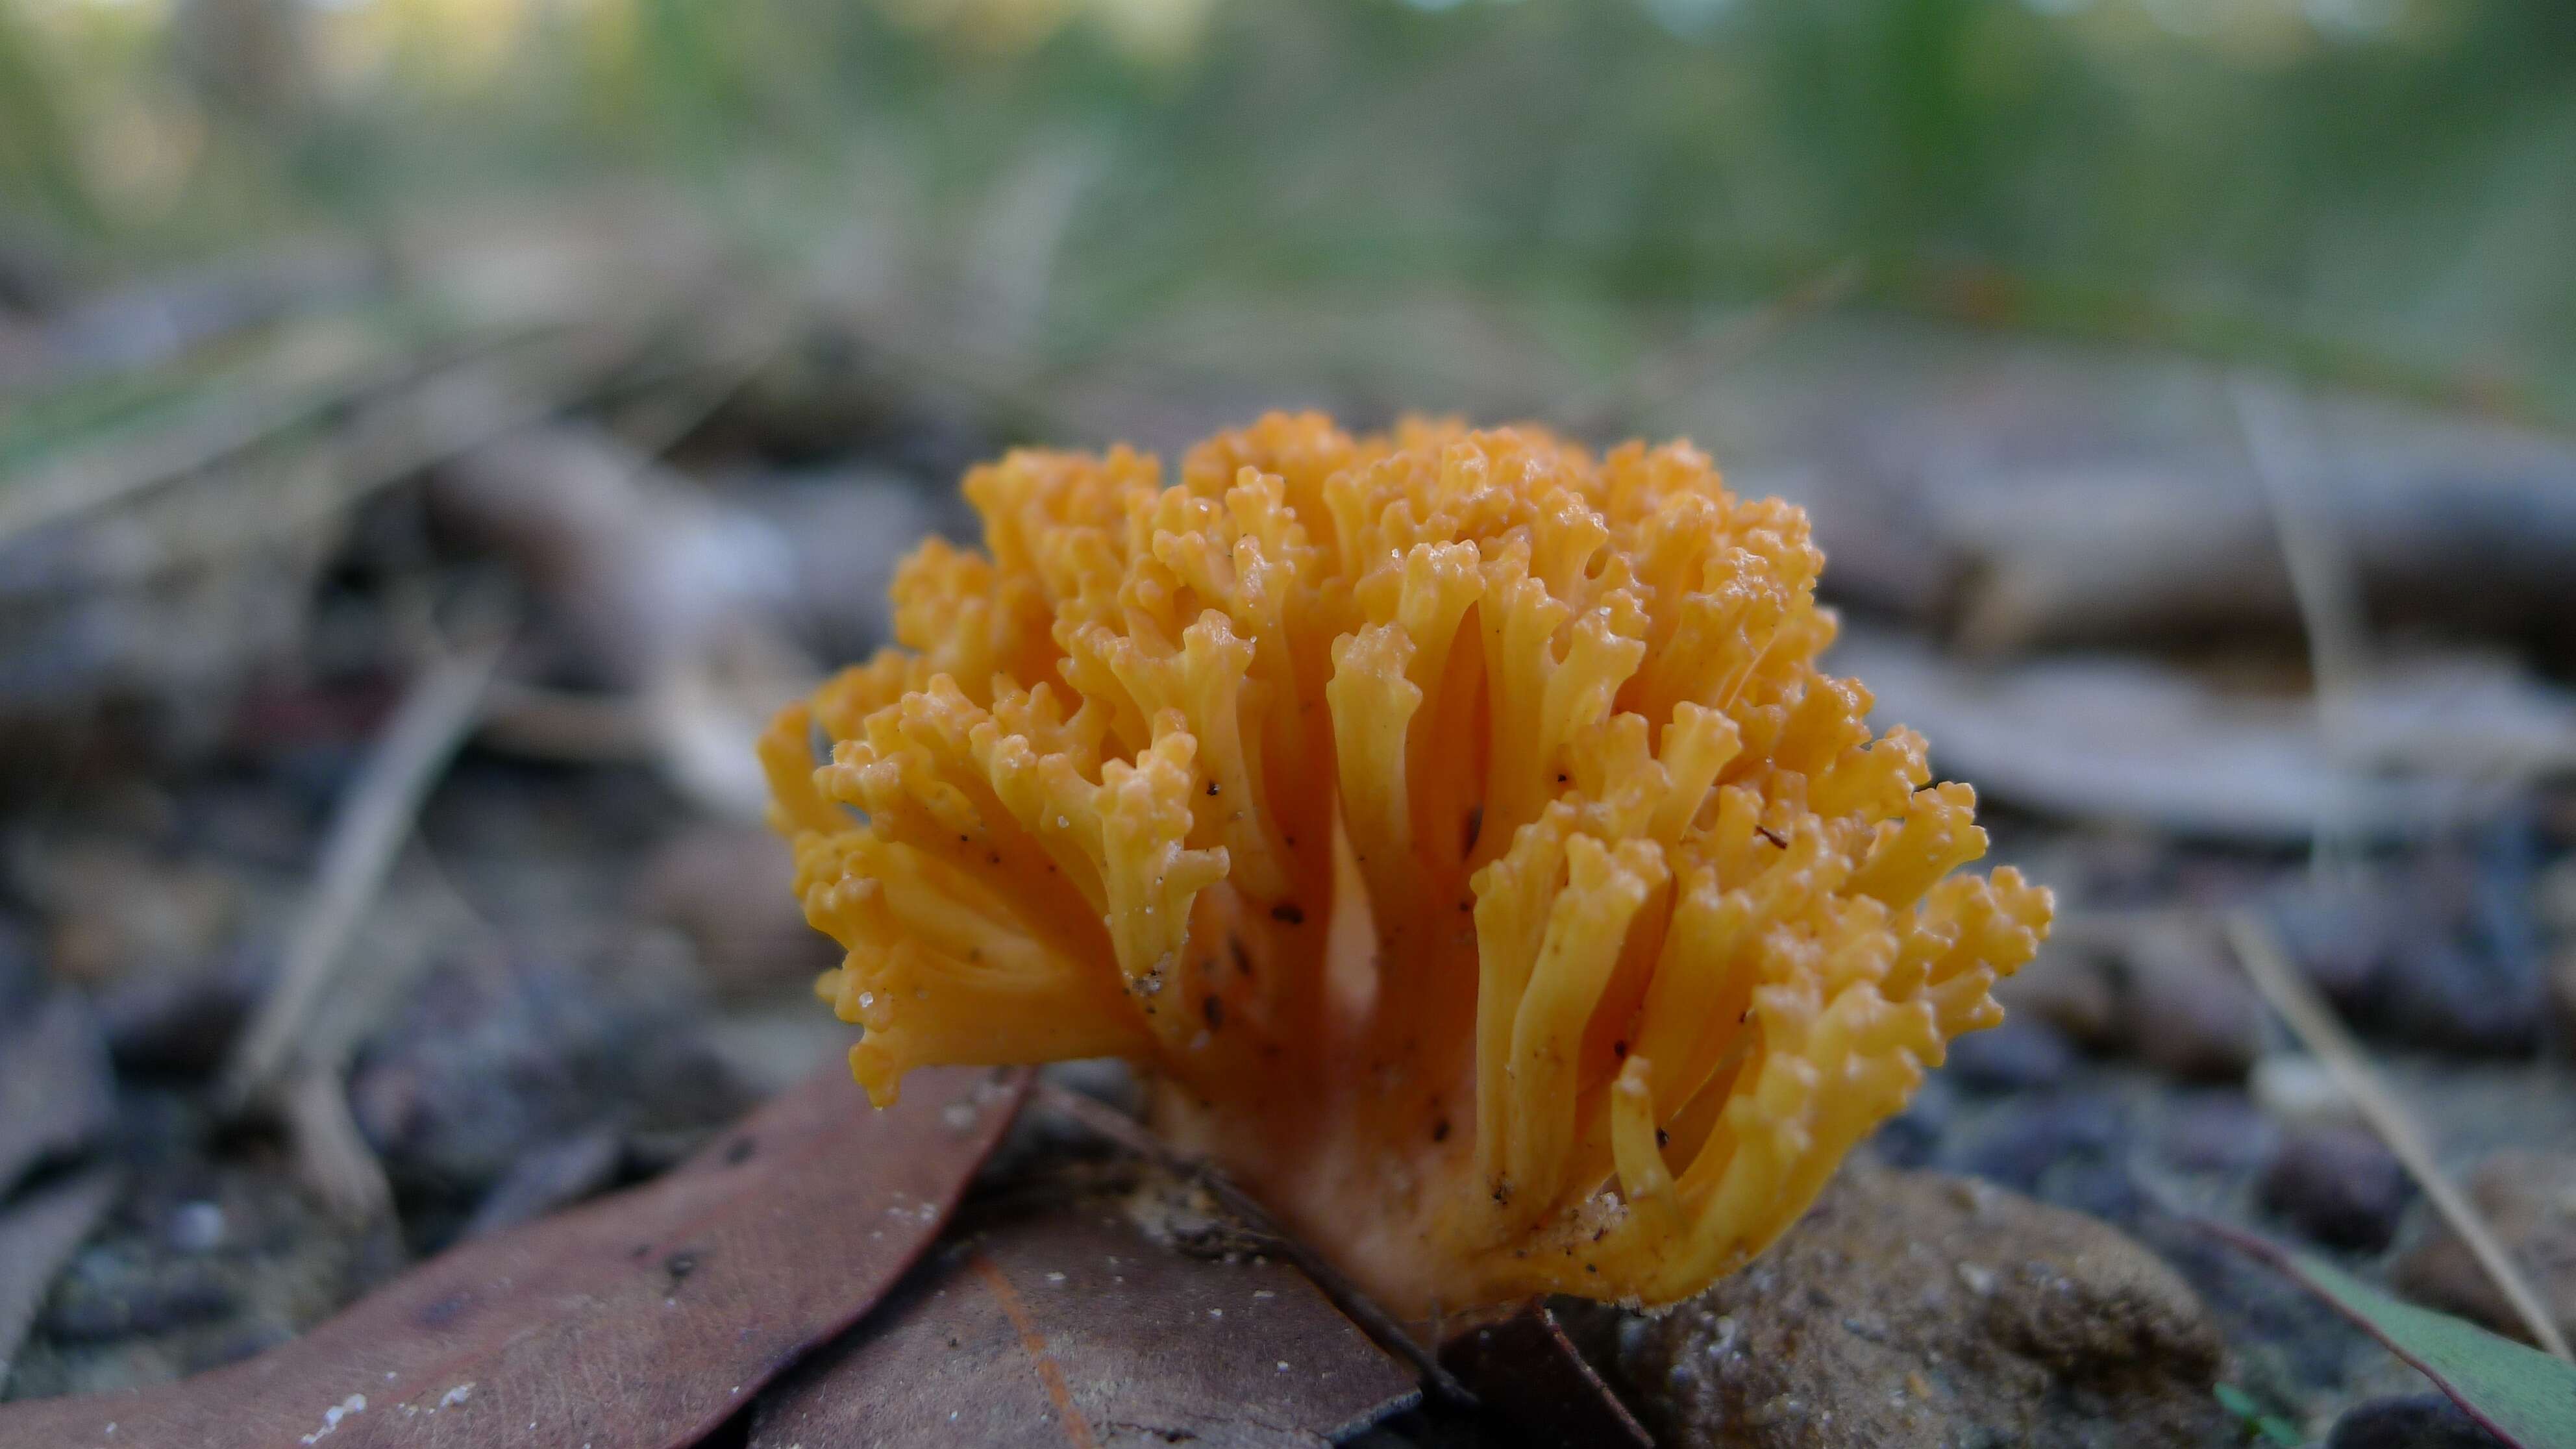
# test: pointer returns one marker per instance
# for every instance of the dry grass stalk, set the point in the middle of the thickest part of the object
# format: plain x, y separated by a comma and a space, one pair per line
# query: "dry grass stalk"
561, 724
332, 1159
366, 834
2323, 582
89, 478
2316, 1026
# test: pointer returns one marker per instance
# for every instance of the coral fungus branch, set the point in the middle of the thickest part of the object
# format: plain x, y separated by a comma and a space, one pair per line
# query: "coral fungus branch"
1455, 825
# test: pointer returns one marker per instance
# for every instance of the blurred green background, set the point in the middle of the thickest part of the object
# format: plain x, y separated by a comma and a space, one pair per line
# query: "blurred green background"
2375, 190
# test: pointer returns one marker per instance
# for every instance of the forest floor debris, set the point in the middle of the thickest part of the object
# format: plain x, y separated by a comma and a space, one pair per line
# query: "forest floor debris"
585, 961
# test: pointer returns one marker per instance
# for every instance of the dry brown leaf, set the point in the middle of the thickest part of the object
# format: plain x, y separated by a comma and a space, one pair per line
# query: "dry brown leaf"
641, 1320
1072, 1328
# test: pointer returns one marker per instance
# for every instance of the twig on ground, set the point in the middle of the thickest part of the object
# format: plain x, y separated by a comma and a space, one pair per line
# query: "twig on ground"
1117, 1127
367, 833
562, 724
332, 1159
2316, 1026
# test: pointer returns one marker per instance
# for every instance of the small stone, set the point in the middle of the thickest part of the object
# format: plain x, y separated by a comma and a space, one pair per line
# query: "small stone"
1913, 1137
2026, 1141
2412, 1421
2466, 971
2339, 937
195, 1227
2217, 1131
105, 1297
2530, 1200
2296, 1090
1863, 1327
845, 533
2070, 1149
730, 890
2339, 1186
2190, 1012
497, 1056
2442, 996
2022, 1054
180, 1021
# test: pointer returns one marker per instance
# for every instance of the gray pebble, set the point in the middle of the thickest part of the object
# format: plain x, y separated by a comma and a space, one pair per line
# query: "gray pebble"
2339, 1186
2414, 1421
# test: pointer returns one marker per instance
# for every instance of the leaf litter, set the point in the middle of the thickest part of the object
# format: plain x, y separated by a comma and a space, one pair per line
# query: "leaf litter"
1070, 1323
643, 1320
2525, 1397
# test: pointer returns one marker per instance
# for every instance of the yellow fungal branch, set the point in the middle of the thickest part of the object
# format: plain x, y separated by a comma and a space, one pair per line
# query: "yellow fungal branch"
1454, 824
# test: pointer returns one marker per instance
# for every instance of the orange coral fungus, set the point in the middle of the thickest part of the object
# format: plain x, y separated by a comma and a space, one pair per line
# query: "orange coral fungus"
1455, 825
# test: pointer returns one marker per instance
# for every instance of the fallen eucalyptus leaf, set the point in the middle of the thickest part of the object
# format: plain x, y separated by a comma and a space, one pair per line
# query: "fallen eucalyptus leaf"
1071, 1327
2525, 1397
642, 1320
